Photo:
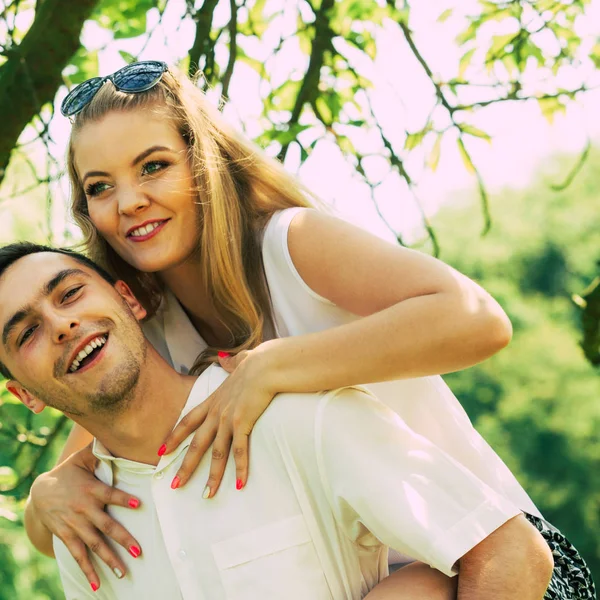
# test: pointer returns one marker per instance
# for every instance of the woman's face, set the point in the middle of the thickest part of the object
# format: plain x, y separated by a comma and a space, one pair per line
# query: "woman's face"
140, 191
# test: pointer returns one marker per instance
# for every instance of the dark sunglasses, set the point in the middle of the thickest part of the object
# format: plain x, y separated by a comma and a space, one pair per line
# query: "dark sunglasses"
134, 78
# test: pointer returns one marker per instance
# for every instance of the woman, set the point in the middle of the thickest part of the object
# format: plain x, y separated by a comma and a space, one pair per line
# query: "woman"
216, 241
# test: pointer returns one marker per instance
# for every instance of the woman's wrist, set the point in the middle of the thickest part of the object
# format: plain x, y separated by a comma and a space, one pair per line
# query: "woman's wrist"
266, 360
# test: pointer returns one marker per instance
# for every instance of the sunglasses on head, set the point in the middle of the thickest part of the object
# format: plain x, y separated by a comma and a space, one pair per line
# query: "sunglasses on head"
134, 78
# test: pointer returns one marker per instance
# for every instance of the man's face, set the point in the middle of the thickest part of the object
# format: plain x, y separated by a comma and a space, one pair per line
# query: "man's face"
69, 338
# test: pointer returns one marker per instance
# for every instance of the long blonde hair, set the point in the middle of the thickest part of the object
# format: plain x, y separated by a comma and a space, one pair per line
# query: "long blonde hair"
239, 188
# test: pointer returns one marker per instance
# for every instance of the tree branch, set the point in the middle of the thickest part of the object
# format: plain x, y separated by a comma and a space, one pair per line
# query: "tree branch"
203, 45
310, 83
33, 72
232, 49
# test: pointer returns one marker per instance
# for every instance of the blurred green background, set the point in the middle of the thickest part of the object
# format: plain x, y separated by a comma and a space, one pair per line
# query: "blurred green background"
469, 130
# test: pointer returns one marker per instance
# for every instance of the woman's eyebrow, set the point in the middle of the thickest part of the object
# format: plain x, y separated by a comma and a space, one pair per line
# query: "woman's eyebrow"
148, 152
134, 162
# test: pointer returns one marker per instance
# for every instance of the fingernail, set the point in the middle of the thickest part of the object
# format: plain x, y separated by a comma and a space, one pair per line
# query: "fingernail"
239, 484
221, 354
206, 492
175, 482
118, 572
95, 586
162, 449
134, 551
133, 502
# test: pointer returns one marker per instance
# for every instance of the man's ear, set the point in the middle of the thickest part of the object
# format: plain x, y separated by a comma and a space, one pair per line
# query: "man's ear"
136, 308
33, 403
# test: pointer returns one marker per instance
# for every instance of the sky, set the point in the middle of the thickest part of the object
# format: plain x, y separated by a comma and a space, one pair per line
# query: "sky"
523, 140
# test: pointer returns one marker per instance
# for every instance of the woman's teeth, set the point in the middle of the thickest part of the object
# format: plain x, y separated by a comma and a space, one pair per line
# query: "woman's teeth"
95, 343
140, 231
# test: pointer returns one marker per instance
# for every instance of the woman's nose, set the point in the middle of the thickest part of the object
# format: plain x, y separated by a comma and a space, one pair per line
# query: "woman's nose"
131, 201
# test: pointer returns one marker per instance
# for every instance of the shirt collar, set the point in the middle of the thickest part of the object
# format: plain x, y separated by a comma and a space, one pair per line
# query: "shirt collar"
203, 387
183, 340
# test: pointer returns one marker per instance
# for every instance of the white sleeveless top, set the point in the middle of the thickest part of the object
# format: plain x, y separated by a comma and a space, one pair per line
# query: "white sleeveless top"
426, 404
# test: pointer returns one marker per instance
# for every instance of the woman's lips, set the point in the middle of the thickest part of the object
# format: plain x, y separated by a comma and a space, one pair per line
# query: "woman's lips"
147, 236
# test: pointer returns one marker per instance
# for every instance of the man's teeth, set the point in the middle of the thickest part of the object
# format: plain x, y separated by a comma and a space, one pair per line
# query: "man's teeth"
140, 231
95, 343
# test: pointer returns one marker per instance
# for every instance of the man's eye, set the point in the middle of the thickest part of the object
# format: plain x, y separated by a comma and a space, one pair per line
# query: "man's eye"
26, 335
154, 166
71, 293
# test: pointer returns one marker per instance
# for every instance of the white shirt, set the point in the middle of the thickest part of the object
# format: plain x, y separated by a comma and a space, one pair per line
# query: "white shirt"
335, 478
425, 404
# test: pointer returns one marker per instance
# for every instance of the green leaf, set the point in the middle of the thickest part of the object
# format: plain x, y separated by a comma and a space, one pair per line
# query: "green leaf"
256, 64
499, 45
257, 18
474, 131
595, 55
465, 61
433, 159
414, 139
445, 15
345, 145
84, 65
305, 41
125, 18
8, 478
284, 97
127, 57
468, 34
550, 106
466, 157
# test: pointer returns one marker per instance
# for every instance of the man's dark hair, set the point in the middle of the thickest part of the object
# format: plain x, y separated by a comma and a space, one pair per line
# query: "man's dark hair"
11, 253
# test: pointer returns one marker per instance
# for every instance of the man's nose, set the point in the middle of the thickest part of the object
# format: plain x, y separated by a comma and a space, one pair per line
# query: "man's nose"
65, 328
132, 200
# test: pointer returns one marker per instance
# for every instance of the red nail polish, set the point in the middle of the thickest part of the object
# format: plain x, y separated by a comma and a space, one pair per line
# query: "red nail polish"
133, 502
175, 482
221, 354
95, 586
239, 484
162, 450
134, 551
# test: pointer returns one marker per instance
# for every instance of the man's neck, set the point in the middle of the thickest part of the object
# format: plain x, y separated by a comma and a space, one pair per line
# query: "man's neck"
150, 414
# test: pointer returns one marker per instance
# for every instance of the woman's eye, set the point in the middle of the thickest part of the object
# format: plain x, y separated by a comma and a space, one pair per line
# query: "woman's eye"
71, 293
26, 335
154, 166
95, 189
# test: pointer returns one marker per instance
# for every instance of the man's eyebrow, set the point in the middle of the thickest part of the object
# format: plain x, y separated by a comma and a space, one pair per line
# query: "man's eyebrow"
48, 288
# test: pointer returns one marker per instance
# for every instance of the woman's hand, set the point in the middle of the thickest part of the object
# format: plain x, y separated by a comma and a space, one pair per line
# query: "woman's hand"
225, 419
69, 501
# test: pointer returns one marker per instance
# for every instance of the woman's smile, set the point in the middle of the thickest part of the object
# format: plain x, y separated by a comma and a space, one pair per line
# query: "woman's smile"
146, 231
138, 181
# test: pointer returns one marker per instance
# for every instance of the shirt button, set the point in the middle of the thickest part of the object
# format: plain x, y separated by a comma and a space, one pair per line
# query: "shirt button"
159, 475
182, 554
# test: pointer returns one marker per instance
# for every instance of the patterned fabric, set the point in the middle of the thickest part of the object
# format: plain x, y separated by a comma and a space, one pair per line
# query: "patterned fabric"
571, 579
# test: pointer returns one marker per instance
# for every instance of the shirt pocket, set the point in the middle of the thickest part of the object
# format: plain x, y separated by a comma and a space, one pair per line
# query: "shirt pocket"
272, 562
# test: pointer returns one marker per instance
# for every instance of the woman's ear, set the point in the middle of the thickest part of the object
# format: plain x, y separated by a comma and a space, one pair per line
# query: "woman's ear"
33, 403
136, 308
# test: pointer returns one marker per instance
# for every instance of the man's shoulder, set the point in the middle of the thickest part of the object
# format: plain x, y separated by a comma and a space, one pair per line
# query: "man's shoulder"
298, 414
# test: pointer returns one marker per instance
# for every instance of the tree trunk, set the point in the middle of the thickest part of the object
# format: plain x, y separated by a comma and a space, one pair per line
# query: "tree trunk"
32, 74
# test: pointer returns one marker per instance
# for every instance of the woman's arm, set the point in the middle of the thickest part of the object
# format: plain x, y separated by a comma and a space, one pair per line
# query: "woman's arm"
421, 317
69, 502
39, 535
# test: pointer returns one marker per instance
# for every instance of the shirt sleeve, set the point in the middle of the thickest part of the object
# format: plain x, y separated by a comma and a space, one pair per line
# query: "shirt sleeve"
386, 481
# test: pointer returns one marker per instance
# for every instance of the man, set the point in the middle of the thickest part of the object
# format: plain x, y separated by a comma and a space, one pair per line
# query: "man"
336, 477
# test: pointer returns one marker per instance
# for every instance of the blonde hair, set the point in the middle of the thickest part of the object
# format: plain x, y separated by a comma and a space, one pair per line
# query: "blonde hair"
240, 187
